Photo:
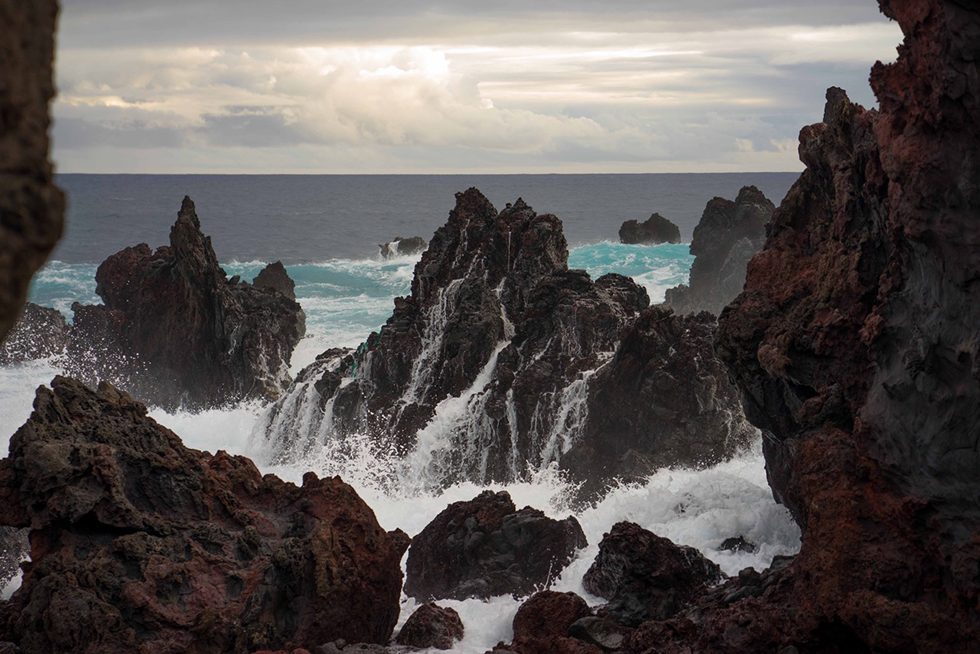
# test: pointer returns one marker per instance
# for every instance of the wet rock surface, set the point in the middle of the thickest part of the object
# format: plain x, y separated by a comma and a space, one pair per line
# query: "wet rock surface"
645, 576
402, 247
31, 206
497, 355
431, 626
185, 335
726, 238
652, 231
141, 544
40, 332
485, 547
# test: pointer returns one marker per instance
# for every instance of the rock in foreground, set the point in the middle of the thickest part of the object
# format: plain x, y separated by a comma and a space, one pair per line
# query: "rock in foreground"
31, 206
187, 335
486, 547
726, 238
654, 230
141, 544
431, 626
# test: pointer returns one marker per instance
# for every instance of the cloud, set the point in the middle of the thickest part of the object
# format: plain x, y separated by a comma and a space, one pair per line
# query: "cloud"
429, 86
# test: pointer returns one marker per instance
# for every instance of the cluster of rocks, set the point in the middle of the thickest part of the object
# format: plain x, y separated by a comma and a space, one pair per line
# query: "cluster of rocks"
654, 230
554, 367
173, 330
728, 235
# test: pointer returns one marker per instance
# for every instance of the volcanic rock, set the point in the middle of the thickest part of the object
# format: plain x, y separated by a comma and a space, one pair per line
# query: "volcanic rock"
736, 544
275, 277
141, 544
402, 247
486, 547
497, 354
655, 229
431, 626
31, 206
855, 346
645, 576
548, 614
728, 235
40, 333
188, 336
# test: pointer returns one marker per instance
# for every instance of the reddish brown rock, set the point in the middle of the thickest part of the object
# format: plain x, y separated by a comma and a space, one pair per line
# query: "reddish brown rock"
186, 334
486, 547
141, 544
855, 344
431, 626
31, 206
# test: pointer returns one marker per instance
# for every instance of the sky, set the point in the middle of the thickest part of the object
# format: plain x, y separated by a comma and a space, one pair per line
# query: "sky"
417, 86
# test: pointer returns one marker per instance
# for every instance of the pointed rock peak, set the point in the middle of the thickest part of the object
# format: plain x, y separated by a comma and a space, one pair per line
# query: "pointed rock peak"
837, 104
275, 277
186, 236
472, 202
187, 207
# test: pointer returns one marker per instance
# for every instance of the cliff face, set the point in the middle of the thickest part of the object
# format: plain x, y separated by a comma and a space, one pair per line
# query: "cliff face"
31, 206
855, 344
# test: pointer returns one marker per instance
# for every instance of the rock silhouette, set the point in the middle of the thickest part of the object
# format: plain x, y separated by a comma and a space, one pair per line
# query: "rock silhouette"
654, 230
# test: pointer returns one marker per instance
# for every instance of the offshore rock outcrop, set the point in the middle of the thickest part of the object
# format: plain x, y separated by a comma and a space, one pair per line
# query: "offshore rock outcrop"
402, 247
31, 206
141, 544
39, 333
185, 334
855, 345
487, 372
486, 547
652, 231
726, 238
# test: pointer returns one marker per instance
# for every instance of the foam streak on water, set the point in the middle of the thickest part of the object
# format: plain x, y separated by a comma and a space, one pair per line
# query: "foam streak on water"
345, 300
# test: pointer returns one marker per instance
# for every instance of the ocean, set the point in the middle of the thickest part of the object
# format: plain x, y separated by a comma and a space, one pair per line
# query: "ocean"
326, 229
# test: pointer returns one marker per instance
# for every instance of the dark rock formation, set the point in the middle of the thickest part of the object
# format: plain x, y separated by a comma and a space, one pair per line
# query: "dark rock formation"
431, 626
728, 235
274, 276
402, 247
604, 633
655, 229
645, 576
855, 344
141, 544
187, 334
664, 399
486, 547
736, 544
498, 322
548, 615
40, 333
31, 206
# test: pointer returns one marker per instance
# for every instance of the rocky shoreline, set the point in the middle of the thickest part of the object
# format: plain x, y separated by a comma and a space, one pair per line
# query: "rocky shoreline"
853, 348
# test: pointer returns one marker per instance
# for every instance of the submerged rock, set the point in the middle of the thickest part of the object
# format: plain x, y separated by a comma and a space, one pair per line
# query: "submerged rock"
187, 335
431, 626
654, 230
40, 333
31, 206
402, 247
645, 576
726, 238
489, 370
141, 544
485, 548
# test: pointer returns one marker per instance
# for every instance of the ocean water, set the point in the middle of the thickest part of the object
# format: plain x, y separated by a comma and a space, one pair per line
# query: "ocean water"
347, 291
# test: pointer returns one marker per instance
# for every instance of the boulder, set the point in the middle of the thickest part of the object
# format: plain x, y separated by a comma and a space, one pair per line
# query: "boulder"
654, 230
402, 247
431, 626
31, 206
645, 576
141, 544
728, 235
485, 548
40, 333
187, 335
547, 615
275, 277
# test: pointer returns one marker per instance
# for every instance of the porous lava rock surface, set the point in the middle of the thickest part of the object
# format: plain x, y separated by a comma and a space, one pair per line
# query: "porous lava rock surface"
139, 544
176, 332
654, 230
726, 238
31, 206
431, 626
485, 547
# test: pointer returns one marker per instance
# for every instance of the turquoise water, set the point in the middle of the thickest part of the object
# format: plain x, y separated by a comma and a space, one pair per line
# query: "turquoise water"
345, 299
